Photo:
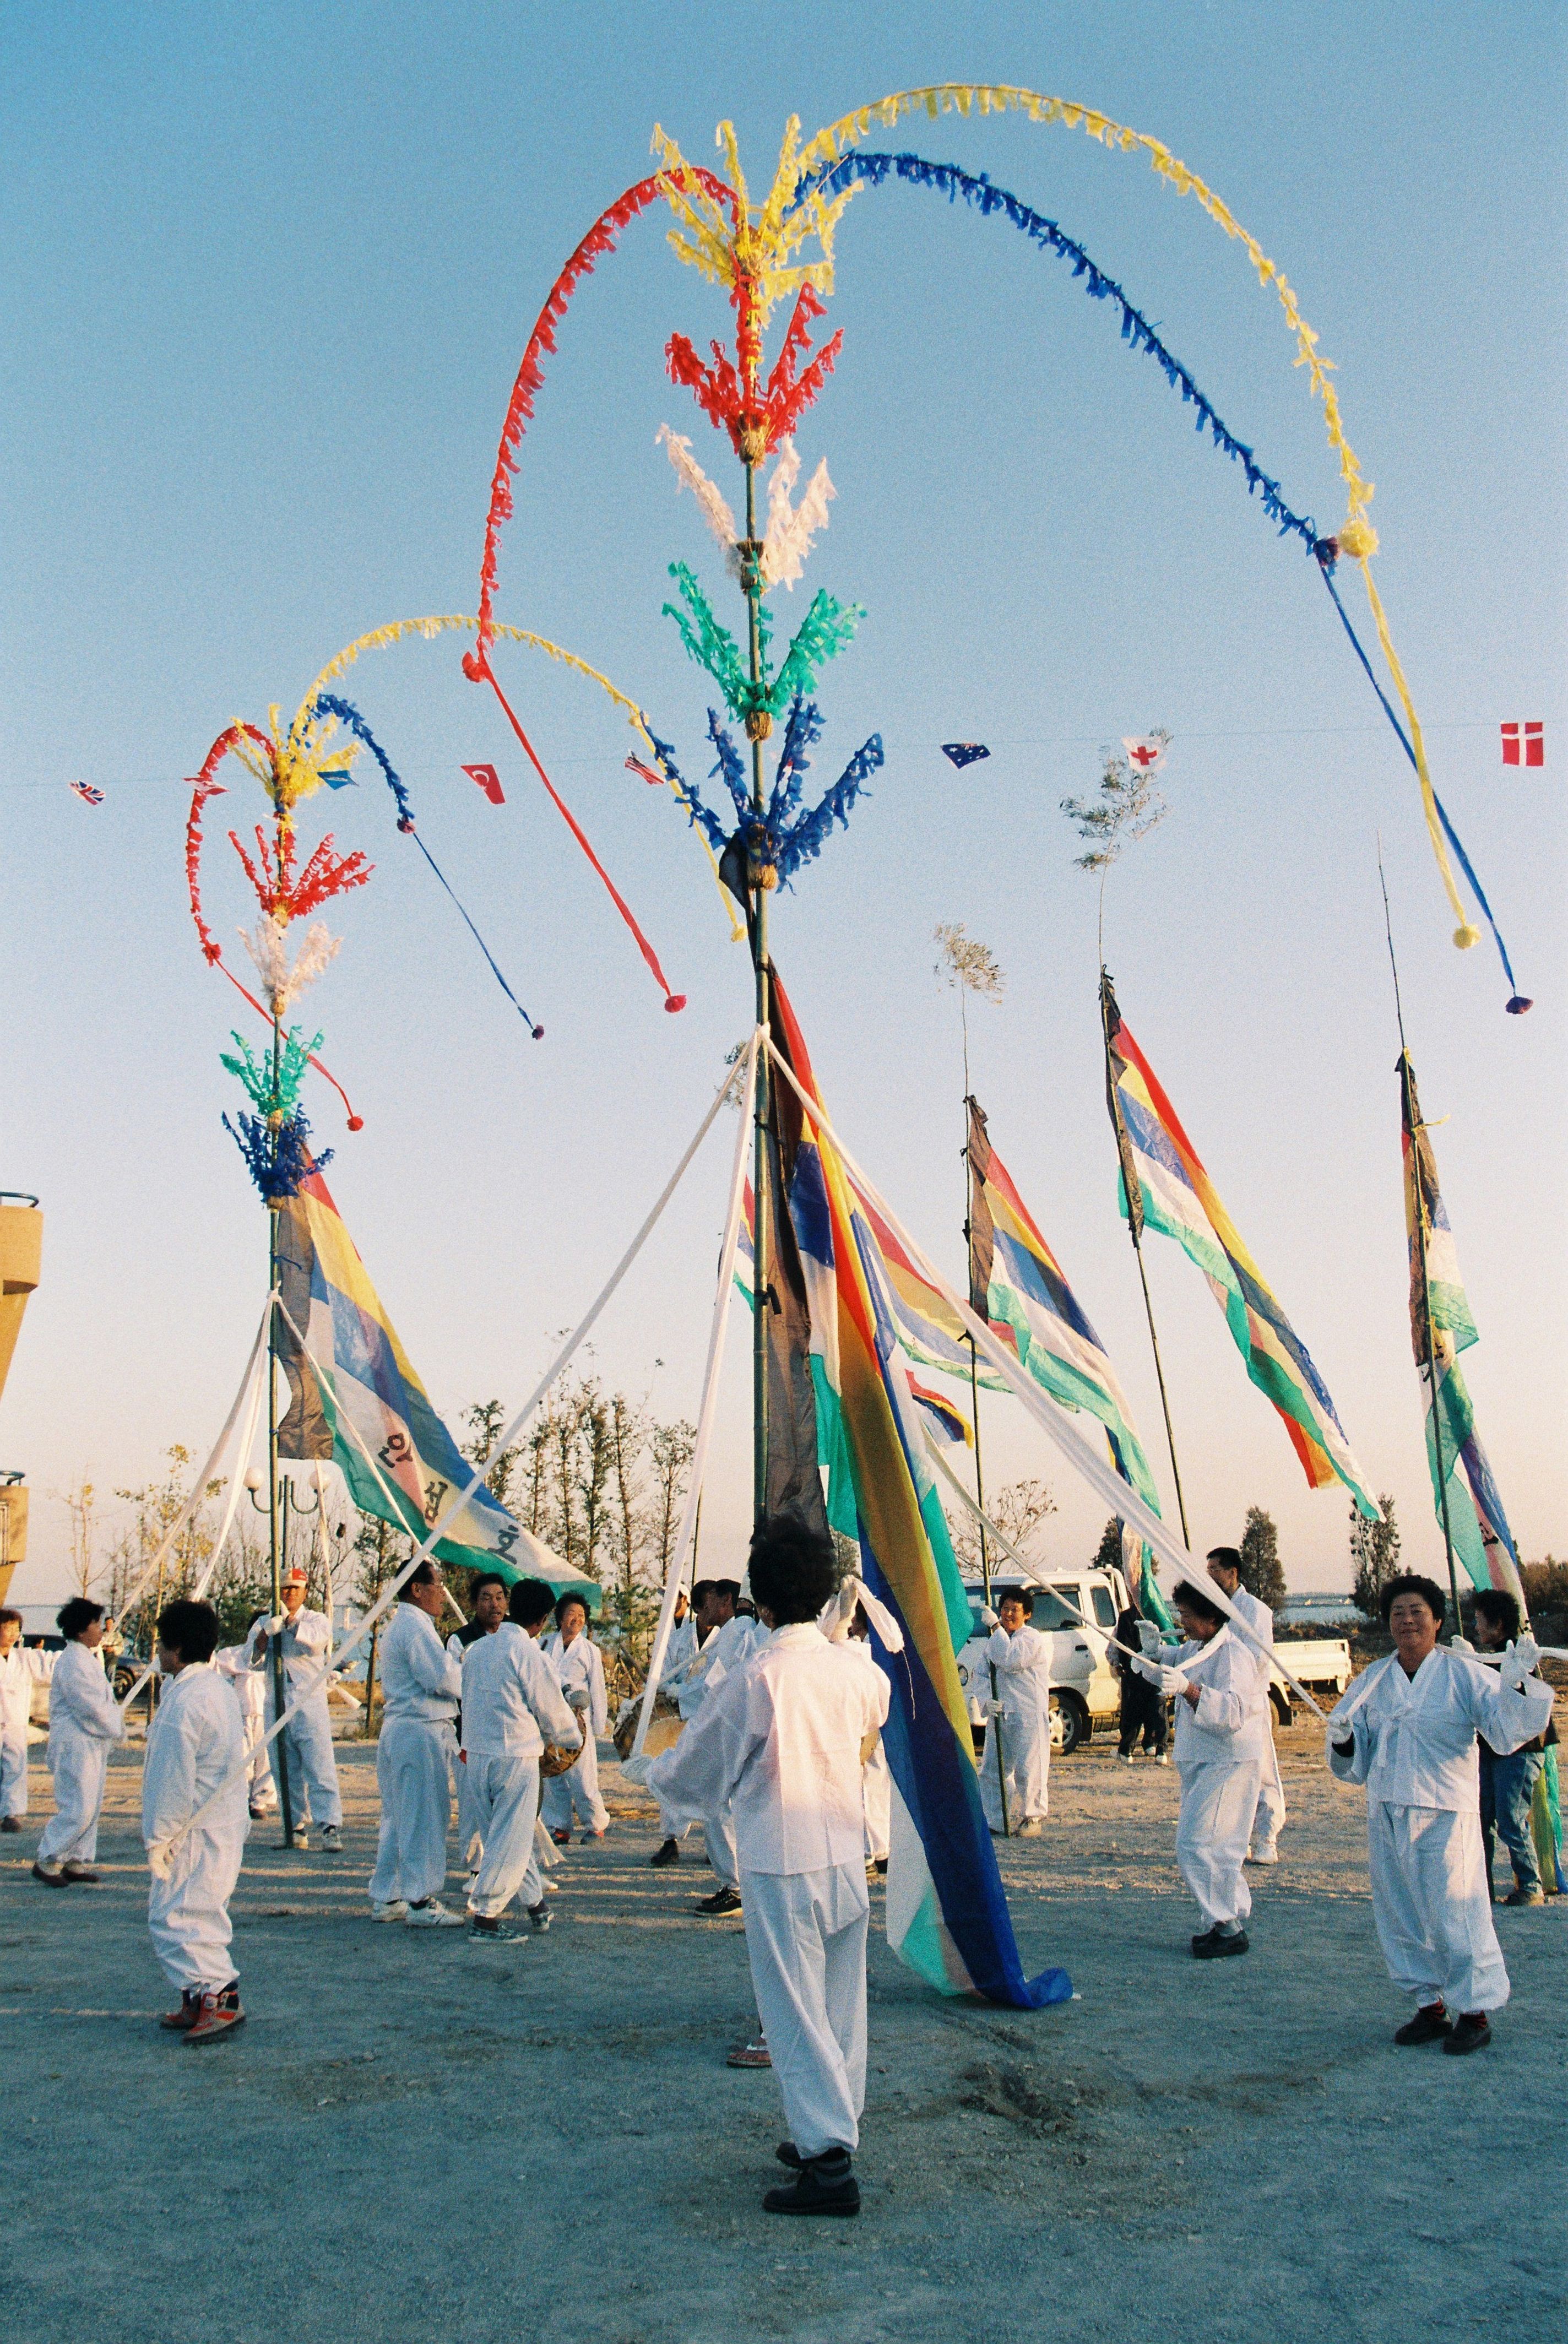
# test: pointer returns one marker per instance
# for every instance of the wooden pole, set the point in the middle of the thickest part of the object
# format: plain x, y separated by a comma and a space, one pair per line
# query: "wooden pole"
758, 727
279, 1687
993, 1724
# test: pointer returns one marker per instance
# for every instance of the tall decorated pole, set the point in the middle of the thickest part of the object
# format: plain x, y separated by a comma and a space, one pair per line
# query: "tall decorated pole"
760, 878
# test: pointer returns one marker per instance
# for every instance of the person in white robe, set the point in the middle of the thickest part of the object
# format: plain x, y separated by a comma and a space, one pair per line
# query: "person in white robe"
195, 1747
1224, 1564
1407, 1729
781, 1742
738, 1637
488, 1594
21, 1668
1019, 1715
1220, 1738
233, 1662
305, 1745
691, 1648
511, 1706
579, 1666
420, 1688
85, 1723
876, 1782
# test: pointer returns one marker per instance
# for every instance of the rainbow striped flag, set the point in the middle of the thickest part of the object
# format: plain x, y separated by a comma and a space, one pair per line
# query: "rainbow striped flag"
947, 1915
1015, 1283
1164, 1187
1477, 1525
366, 1382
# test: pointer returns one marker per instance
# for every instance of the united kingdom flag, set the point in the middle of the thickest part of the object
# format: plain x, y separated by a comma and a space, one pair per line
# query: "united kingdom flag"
1529, 738
88, 794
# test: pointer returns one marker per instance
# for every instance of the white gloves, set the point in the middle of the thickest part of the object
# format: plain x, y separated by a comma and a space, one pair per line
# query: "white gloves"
1461, 1644
274, 1627
1343, 1735
160, 1858
996, 1709
636, 1770
1168, 1681
1519, 1661
1149, 1638
987, 1617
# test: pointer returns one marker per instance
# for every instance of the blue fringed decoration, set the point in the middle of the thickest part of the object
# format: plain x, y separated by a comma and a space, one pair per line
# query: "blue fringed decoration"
700, 817
729, 766
804, 843
278, 1161
802, 731
328, 703
947, 179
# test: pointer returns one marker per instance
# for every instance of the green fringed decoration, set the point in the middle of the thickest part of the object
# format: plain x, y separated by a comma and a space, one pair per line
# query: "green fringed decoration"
828, 626
255, 1074
712, 646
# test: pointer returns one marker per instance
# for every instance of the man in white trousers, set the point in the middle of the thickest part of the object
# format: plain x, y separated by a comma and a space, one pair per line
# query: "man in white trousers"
511, 1706
1021, 1713
579, 1666
738, 1637
1213, 1677
488, 1593
420, 1687
305, 1745
22, 1667
1407, 1729
876, 1782
781, 1743
233, 1662
1224, 1569
689, 1650
196, 1746
85, 1723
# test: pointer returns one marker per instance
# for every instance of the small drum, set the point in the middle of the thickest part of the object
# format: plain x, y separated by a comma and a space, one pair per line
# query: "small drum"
663, 1727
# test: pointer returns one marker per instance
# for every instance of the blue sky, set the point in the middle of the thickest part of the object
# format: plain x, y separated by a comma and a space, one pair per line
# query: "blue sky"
270, 273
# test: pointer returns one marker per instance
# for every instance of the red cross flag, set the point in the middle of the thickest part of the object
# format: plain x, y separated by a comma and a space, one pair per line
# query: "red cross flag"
1533, 744
1144, 754
489, 780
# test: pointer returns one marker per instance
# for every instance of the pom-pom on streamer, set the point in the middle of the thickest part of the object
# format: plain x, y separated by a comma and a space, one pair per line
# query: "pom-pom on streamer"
277, 1155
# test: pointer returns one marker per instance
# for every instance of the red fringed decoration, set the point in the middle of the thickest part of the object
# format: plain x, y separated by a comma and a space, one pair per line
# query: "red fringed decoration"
732, 399
598, 240
280, 894
204, 787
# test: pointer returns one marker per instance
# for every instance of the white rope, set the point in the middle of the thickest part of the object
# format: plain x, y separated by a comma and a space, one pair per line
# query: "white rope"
196, 1499
716, 1333
455, 1505
1097, 1472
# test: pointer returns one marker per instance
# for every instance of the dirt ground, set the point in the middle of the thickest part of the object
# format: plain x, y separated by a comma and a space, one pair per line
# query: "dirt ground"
415, 2137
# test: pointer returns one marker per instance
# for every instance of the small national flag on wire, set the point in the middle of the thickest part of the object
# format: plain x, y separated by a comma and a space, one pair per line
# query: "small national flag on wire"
965, 752
1143, 753
337, 777
489, 780
86, 793
1533, 744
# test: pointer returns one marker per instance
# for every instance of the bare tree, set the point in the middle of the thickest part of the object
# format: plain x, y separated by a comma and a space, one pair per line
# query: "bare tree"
1017, 1511
81, 1502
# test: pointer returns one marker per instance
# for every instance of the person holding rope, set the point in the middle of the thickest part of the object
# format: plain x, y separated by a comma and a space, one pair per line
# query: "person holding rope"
1408, 1729
420, 1685
305, 1745
1224, 1569
488, 1594
1142, 1709
1021, 1715
739, 1634
1220, 1759
196, 1746
233, 1661
511, 1706
579, 1666
85, 1723
713, 1603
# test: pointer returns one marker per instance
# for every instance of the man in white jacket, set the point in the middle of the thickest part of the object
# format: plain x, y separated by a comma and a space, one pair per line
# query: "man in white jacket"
1407, 1729
421, 1684
196, 1746
85, 1723
1224, 1569
579, 1666
20, 1668
511, 1706
691, 1648
739, 1636
1220, 1757
1021, 1713
305, 1745
781, 1743
487, 1593
233, 1662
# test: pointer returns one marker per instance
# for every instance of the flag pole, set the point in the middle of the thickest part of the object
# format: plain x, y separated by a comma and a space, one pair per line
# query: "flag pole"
993, 1724
759, 725
1413, 1124
1134, 1194
274, 1212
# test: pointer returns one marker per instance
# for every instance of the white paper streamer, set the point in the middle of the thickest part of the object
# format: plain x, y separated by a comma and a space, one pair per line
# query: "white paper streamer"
792, 528
721, 521
268, 947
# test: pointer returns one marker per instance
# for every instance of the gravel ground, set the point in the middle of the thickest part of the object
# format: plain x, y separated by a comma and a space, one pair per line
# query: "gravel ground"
414, 2137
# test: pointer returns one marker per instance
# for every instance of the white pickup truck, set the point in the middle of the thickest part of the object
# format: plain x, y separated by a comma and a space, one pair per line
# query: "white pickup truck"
1076, 1607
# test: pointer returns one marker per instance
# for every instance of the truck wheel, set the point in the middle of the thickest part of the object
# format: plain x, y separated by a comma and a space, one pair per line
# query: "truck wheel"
1071, 1725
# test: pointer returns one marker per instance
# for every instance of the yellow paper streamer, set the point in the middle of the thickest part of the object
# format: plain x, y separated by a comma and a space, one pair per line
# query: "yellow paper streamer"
761, 250
381, 638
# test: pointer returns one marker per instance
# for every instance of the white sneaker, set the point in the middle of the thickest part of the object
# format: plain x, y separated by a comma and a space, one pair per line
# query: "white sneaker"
1032, 1829
394, 1909
1270, 1855
433, 1915
1162, 1760
331, 1840
1125, 1757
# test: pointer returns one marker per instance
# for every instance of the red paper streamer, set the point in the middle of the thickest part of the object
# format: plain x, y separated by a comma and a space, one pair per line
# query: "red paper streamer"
672, 1001
731, 401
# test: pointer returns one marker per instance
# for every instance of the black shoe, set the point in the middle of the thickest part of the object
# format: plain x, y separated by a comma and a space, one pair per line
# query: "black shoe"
670, 1853
880, 1864
1525, 1896
722, 1901
10, 1823
823, 2185
1212, 1947
1431, 2024
788, 2154
1470, 2033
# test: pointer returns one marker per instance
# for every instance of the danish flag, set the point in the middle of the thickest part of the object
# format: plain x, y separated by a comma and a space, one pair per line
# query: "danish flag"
1534, 744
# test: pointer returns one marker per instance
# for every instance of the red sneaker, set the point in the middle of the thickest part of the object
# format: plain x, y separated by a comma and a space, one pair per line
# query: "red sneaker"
217, 2012
181, 2021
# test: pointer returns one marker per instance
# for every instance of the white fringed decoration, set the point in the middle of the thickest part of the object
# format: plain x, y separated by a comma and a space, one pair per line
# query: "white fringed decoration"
721, 521
792, 528
268, 948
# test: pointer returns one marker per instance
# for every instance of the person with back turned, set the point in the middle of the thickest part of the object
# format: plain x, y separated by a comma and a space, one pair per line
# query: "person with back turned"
195, 1754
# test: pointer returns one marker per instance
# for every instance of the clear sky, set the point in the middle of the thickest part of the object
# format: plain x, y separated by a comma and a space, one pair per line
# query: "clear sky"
269, 274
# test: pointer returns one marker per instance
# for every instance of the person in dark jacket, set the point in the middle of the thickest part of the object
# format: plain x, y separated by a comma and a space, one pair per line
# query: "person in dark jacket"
1508, 1783
1142, 1707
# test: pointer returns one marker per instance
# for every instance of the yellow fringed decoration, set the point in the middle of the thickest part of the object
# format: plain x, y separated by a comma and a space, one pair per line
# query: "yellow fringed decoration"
1464, 935
761, 248
382, 638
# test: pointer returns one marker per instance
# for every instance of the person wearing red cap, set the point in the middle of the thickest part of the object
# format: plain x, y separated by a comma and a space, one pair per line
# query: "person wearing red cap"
305, 1745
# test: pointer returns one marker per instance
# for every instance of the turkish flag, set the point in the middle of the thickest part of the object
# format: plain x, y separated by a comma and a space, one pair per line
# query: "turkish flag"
489, 780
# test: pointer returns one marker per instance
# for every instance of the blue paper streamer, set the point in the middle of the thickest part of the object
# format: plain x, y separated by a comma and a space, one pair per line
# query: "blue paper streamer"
776, 839
278, 1161
328, 703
